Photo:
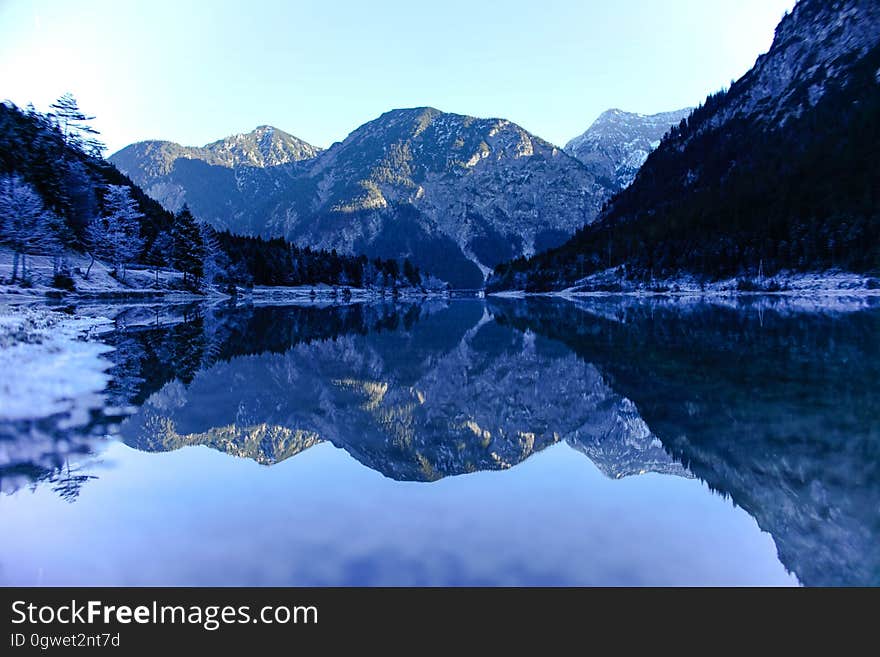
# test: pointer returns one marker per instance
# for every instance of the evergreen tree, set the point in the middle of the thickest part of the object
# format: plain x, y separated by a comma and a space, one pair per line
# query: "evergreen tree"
215, 261
74, 125
159, 254
391, 273
187, 252
411, 273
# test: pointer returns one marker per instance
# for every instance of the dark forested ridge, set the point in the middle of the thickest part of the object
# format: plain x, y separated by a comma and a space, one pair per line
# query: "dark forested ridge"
58, 195
278, 262
69, 180
780, 172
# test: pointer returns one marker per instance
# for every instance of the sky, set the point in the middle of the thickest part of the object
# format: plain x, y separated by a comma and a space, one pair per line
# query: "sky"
195, 71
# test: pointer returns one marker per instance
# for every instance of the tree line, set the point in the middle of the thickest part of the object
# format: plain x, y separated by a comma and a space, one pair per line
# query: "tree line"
275, 261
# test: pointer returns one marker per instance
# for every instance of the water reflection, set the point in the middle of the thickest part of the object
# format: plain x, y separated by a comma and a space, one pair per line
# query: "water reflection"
778, 410
774, 407
443, 391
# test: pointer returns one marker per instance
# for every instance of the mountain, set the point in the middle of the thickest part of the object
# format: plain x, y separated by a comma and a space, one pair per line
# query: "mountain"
617, 144
455, 193
778, 173
263, 147
211, 178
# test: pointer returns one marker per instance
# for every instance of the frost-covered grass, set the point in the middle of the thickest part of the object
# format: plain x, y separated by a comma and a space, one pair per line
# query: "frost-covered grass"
139, 281
49, 364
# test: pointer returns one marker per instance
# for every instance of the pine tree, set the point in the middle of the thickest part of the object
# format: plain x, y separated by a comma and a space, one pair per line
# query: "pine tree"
391, 273
160, 253
215, 261
74, 125
411, 273
188, 252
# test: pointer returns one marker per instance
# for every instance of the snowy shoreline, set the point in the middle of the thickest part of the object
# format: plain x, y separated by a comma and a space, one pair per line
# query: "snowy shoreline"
830, 293
278, 294
144, 284
55, 361
817, 284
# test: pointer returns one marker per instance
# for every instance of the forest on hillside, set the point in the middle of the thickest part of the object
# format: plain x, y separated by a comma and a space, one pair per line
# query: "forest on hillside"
738, 199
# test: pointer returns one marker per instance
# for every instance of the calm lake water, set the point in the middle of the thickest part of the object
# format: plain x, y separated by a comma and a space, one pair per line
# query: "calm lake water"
471, 442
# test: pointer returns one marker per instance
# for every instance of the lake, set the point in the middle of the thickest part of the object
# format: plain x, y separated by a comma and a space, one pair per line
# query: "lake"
604, 441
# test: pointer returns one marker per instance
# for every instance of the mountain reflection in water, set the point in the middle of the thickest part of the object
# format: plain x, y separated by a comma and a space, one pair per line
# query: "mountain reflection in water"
452, 393
774, 408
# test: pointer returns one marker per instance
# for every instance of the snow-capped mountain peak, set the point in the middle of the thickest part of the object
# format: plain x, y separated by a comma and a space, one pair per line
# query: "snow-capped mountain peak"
617, 143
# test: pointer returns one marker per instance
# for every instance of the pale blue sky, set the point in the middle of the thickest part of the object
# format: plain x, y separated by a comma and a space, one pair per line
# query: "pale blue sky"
193, 71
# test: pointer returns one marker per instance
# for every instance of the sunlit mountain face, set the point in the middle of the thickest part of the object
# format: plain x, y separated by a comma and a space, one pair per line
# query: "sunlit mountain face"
771, 406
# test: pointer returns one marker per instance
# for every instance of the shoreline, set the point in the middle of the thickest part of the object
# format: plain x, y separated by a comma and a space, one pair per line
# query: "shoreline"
321, 294
687, 294
298, 295
608, 283
59, 359
143, 283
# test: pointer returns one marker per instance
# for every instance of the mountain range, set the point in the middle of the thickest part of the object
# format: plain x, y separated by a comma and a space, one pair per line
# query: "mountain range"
456, 194
776, 174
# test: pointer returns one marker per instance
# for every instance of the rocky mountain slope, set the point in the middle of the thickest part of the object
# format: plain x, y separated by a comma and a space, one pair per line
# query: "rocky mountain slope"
617, 144
779, 173
454, 193
264, 147
217, 180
